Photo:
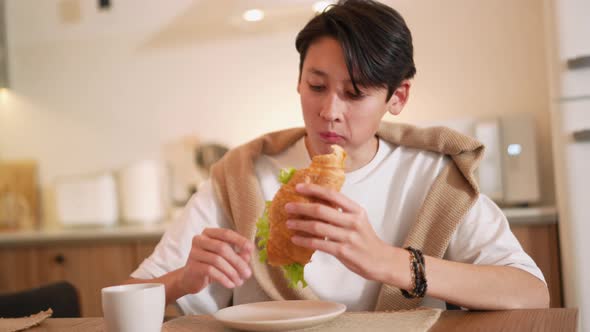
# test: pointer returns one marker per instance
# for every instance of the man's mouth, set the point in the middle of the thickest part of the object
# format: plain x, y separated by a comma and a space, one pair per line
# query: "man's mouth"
331, 137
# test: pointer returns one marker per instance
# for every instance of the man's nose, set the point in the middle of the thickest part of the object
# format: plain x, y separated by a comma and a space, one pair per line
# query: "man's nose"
332, 109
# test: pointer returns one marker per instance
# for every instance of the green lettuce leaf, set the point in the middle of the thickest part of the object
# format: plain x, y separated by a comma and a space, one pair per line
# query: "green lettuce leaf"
286, 174
263, 232
293, 272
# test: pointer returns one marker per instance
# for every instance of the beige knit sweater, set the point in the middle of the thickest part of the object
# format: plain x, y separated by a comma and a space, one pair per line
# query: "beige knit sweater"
451, 196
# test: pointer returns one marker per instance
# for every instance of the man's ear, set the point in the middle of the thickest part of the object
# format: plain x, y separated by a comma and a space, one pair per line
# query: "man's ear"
399, 98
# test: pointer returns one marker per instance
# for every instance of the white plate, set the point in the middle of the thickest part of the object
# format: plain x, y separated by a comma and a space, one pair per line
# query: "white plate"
279, 315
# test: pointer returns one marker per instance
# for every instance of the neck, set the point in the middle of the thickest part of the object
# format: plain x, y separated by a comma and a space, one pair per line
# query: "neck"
355, 158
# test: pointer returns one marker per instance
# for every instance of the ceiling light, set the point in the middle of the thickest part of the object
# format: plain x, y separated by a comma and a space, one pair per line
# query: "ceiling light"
253, 15
3, 96
320, 6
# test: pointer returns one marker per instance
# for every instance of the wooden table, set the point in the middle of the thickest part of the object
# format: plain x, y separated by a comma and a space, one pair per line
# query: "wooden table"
555, 319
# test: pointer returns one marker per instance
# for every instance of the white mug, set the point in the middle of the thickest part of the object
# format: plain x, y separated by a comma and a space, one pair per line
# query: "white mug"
132, 308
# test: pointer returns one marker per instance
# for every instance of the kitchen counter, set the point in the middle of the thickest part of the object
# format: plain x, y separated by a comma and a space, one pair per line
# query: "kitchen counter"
516, 216
81, 234
540, 215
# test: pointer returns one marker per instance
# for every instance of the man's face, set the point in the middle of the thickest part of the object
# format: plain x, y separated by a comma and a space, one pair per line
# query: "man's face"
333, 112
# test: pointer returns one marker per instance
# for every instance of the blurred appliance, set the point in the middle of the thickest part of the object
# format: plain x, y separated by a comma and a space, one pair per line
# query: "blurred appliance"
143, 189
19, 206
87, 200
188, 162
208, 154
508, 172
184, 175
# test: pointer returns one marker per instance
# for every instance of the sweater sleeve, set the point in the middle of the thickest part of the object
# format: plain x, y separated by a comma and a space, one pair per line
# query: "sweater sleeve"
202, 211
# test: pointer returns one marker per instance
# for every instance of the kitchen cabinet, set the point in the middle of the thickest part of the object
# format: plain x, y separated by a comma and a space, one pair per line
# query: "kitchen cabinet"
89, 267
18, 268
144, 249
93, 261
569, 66
541, 243
573, 27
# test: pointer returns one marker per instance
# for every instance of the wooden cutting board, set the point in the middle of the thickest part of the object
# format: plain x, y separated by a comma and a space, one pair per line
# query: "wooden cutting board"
20, 179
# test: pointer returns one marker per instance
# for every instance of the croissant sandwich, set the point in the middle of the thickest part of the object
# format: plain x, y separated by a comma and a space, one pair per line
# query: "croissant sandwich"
274, 237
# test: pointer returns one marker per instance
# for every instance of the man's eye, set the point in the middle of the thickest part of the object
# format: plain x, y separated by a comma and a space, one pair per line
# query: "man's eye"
317, 88
355, 96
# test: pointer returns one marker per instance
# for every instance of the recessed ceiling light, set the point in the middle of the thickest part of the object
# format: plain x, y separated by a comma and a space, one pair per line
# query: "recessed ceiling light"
253, 15
3, 95
320, 6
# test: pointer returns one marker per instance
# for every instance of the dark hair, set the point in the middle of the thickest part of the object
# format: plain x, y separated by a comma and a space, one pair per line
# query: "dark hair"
375, 39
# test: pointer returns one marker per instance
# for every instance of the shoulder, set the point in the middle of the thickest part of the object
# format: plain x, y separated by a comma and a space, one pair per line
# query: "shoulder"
485, 209
243, 157
415, 159
484, 237
484, 224
294, 155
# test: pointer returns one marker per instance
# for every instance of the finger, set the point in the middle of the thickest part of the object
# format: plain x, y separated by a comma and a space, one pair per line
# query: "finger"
214, 274
217, 261
329, 195
241, 245
209, 271
318, 229
327, 246
246, 256
318, 211
224, 250
227, 235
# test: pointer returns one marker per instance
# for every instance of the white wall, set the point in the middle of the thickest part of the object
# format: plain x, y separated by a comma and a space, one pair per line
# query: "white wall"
94, 90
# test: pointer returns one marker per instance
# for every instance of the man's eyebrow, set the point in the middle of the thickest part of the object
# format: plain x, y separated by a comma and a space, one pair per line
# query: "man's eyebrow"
317, 72
321, 73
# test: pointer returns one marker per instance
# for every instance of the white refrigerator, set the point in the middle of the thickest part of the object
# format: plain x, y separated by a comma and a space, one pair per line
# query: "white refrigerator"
569, 49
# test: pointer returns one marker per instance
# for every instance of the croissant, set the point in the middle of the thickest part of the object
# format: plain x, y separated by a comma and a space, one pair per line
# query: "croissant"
325, 170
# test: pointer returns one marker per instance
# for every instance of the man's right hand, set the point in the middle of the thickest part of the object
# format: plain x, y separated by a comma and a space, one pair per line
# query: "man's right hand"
217, 255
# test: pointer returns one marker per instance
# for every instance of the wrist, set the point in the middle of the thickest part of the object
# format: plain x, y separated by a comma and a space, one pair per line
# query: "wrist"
177, 289
418, 274
398, 274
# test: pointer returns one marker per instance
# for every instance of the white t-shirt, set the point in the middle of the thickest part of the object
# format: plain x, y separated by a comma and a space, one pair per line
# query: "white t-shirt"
391, 188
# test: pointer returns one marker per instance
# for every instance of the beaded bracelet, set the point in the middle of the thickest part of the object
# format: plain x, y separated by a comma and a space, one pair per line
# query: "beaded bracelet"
421, 283
418, 271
